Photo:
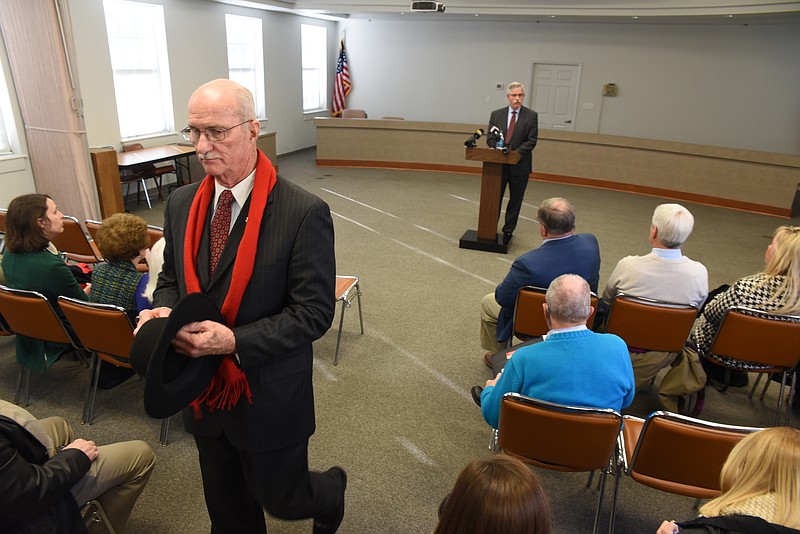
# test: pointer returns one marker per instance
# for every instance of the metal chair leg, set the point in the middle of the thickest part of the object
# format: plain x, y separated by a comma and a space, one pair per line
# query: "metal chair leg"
360, 317
339, 335
494, 441
23, 387
755, 385
163, 436
93, 512
91, 392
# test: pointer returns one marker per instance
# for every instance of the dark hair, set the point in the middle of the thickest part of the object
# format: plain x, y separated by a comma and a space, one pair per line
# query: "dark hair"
496, 495
121, 236
23, 233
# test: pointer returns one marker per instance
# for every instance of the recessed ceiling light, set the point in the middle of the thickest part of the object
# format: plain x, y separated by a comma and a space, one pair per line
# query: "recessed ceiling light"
730, 16
552, 16
634, 17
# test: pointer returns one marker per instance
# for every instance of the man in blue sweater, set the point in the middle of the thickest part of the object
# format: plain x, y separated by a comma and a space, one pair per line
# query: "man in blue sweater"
573, 365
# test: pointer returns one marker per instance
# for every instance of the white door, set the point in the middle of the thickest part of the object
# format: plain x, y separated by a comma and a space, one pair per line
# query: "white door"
555, 94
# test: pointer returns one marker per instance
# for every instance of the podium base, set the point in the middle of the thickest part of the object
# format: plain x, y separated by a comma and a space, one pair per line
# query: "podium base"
471, 241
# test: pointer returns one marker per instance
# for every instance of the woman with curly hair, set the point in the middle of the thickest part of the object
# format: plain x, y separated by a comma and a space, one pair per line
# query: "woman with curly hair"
760, 484
495, 495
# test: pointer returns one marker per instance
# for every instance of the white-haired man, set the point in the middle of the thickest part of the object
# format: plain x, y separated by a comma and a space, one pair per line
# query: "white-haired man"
663, 274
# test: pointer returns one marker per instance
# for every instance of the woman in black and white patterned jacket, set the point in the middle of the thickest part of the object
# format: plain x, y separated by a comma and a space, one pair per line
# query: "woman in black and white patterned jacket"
775, 289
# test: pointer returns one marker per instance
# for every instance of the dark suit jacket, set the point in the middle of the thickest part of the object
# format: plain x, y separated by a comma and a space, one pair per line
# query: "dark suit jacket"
288, 303
36, 488
577, 254
523, 140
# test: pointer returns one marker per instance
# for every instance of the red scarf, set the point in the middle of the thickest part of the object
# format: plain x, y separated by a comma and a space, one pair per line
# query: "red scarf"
229, 382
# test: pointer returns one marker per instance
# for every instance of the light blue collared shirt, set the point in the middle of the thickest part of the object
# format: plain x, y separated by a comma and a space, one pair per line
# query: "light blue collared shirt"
668, 253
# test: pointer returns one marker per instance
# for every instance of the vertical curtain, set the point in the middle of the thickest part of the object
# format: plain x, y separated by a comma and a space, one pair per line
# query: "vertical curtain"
41, 55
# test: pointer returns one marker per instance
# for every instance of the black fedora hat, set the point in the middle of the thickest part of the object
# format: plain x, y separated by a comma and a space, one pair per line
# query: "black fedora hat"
173, 380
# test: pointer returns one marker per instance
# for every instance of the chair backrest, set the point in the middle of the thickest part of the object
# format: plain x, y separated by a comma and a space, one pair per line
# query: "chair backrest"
74, 244
529, 318
679, 454
3, 213
29, 313
154, 233
650, 324
354, 114
92, 227
758, 336
558, 437
101, 328
142, 169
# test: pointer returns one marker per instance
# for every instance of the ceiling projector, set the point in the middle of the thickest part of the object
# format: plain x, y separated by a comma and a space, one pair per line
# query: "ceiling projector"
427, 7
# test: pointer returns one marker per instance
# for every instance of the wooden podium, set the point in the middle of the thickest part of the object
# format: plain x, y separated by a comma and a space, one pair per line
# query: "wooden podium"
486, 237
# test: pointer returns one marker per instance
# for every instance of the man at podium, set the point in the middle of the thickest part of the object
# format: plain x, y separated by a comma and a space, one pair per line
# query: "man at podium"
517, 128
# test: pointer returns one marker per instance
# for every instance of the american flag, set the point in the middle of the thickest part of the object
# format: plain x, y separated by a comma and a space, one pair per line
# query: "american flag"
341, 85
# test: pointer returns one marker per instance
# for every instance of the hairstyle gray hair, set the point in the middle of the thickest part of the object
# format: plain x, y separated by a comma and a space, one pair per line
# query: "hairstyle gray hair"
674, 224
514, 85
557, 215
568, 299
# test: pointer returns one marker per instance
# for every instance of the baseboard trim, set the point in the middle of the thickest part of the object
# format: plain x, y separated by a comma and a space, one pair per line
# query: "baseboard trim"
708, 200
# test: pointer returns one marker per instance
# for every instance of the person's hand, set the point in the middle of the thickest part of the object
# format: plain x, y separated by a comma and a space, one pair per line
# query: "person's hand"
88, 447
668, 527
146, 315
494, 380
205, 338
87, 289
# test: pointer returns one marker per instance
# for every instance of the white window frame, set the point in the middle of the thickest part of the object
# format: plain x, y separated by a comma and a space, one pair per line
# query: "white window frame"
8, 140
137, 42
314, 66
246, 57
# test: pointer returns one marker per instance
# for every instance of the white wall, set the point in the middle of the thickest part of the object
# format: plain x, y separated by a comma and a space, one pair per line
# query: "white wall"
197, 54
730, 86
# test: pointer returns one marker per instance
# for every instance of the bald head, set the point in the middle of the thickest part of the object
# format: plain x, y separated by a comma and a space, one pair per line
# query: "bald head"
568, 301
557, 216
238, 98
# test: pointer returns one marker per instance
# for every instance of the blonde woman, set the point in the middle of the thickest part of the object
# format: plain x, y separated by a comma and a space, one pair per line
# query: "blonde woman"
760, 488
776, 289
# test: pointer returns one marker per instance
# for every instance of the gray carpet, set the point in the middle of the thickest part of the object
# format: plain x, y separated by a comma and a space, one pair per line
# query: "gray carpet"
396, 412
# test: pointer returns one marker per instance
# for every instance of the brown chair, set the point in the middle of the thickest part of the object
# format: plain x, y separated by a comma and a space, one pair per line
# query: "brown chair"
529, 321
561, 438
649, 324
678, 454
3, 213
29, 313
147, 170
107, 332
354, 114
154, 233
347, 289
74, 244
767, 339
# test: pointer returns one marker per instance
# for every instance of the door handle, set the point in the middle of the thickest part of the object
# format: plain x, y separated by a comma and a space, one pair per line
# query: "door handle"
567, 122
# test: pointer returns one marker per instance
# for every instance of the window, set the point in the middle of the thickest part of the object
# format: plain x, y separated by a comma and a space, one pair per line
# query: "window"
5, 111
138, 44
315, 74
246, 57
5, 145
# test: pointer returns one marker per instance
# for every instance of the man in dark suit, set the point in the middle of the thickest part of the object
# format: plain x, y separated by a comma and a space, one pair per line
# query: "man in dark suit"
262, 248
561, 252
519, 127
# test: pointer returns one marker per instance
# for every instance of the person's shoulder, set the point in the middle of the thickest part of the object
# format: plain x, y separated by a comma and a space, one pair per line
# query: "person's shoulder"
694, 263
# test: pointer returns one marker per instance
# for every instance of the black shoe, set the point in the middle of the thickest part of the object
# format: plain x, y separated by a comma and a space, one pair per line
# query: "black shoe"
329, 523
476, 394
111, 376
507, 238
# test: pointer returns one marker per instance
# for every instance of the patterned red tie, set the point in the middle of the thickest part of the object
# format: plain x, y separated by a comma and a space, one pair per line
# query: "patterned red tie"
220, 226
511, 126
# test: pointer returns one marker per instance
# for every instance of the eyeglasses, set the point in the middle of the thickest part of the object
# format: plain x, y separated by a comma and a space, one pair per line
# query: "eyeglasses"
214, 135
521, 95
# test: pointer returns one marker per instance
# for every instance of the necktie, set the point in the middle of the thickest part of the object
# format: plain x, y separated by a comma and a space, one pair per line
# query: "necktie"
220, 226
511, 127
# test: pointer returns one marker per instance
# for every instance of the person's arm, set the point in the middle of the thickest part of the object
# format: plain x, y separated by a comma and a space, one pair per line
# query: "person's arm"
668, 527
610, 290
715, 309
492, 395
506, 292
60, 281
30, 490
529, 143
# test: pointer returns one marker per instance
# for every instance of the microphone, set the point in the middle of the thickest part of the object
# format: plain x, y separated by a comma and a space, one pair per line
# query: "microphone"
501, 145
471, 141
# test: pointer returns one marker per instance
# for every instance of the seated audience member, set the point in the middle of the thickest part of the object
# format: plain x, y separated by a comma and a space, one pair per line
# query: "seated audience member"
561, 252
572, 366
760, 489
123, 242
155, 261
664, 274
776, 289
31, 222
46, 475
495, 495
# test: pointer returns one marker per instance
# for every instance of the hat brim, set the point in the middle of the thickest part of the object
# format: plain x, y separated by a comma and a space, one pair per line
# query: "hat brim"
173, 380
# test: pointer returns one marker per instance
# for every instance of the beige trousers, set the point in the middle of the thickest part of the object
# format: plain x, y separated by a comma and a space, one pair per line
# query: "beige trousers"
646, 365
490, 311
116, 478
